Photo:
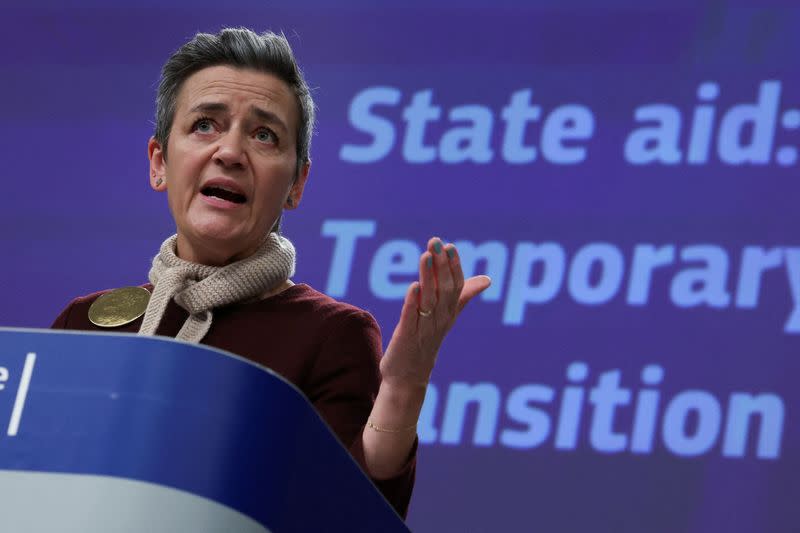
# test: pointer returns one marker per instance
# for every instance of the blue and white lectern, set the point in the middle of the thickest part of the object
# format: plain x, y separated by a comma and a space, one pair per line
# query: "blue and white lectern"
121, 433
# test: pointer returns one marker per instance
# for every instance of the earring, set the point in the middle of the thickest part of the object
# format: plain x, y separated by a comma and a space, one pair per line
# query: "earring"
159, 181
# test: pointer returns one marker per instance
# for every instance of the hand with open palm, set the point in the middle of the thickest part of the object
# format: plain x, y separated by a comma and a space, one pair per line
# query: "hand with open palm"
429, 311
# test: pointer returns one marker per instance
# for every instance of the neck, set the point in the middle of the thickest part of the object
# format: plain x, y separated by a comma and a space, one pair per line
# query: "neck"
210, 254
200, 288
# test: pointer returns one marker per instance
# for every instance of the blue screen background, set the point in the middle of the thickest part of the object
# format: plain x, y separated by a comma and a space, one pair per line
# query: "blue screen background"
713, 323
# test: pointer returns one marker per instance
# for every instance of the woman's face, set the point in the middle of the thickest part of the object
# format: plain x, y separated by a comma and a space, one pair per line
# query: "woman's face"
231, 162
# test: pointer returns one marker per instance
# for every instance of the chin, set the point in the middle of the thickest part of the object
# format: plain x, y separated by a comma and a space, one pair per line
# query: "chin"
216, 228
223, 239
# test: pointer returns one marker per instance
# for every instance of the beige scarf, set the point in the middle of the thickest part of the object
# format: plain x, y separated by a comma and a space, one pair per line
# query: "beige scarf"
201, 288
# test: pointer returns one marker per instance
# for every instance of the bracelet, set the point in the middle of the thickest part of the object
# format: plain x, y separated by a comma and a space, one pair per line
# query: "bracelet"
389, 430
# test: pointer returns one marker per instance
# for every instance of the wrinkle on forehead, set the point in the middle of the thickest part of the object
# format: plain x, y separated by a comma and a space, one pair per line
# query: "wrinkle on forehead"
252, 84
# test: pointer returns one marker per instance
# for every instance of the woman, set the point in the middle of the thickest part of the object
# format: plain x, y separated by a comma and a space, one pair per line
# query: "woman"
234, 118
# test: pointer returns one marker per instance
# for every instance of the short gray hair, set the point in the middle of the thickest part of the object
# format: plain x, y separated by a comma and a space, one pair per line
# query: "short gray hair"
238, 47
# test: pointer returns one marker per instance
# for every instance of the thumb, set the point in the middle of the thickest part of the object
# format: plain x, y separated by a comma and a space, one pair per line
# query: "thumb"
473, 287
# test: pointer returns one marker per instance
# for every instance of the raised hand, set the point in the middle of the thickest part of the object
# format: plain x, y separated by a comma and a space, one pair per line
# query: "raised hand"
429, 311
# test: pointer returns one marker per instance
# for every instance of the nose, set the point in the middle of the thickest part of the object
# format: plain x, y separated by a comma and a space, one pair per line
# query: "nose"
230, 151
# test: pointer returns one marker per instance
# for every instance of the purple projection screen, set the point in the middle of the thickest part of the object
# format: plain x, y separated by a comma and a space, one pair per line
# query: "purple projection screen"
626, 172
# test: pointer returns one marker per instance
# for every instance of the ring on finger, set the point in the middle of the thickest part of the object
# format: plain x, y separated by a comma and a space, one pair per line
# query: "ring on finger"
424, 314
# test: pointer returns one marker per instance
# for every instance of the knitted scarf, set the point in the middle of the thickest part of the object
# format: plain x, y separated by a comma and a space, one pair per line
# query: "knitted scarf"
201, 288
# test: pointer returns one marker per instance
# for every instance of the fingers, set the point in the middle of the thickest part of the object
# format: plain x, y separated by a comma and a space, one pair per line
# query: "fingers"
449, 277
473, 287
446, 299
455, 269
443, 289
427, 284
409, 315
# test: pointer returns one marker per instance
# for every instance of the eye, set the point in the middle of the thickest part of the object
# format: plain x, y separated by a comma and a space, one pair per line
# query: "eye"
266, 135
203, 125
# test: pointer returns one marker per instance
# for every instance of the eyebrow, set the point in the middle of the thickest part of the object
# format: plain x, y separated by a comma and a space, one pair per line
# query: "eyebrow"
261, 114
268, 116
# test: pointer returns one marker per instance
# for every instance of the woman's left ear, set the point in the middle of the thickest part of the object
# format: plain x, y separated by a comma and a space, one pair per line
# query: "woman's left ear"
158, 178
296, 192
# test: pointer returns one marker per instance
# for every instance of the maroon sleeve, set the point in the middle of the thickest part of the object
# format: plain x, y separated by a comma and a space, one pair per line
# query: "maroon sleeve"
397, 489
63, 318
344, 382
76, 315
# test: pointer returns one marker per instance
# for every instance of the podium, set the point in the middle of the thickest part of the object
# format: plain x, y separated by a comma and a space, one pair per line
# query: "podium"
120, 433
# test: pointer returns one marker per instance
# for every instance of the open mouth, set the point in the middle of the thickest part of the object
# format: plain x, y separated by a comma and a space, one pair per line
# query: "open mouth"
224, 194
